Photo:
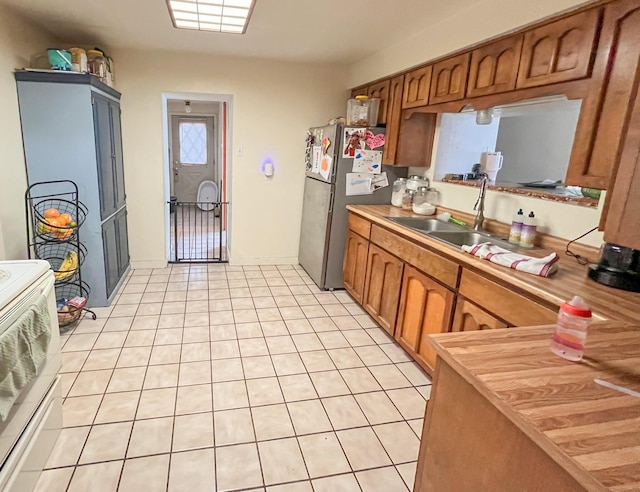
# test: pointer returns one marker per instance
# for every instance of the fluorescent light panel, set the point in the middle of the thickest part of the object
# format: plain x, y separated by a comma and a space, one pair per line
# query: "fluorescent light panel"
230, 16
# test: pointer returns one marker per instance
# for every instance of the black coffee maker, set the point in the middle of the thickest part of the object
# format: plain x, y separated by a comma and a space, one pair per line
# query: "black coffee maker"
618, 267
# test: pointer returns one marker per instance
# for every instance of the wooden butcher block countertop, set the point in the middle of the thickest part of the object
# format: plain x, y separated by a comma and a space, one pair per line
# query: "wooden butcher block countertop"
570, 279
591, 431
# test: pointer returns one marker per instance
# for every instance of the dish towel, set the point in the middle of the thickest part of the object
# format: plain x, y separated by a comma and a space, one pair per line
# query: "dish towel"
542, 267
23, 347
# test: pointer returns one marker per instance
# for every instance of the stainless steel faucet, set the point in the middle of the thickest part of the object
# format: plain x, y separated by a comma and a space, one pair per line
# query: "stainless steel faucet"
479, 206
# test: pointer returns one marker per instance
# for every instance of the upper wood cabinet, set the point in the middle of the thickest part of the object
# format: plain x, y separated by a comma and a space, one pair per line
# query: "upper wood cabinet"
381, 91
449, 79
382, 287
394, 114
355, 265
469, 317
360, 91
560, 51
416, 87
425, 309
622, 224
494, 67
606, 110
415, 139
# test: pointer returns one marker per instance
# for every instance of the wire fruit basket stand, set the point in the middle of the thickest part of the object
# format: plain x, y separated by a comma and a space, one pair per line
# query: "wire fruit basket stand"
54, 218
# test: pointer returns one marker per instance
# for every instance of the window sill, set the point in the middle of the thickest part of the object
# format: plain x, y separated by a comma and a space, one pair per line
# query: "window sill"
557, 195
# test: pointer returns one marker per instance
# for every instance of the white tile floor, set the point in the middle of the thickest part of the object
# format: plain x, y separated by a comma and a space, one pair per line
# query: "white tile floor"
204, 378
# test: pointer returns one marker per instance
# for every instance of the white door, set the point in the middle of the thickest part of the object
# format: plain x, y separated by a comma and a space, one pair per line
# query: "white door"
192, 154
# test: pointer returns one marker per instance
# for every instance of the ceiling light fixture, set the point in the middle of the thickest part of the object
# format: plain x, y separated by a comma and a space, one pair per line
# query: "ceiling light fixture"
228, 16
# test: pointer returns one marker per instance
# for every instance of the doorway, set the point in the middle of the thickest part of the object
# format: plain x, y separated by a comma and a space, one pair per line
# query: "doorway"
193, 156
195, 171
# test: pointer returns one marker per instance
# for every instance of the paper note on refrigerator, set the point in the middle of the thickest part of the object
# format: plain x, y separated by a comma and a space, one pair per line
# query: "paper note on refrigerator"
326, 162
367, 161
379, 181
316, 154
359, 184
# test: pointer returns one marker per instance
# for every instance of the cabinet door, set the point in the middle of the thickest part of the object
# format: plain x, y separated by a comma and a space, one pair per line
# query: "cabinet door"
449, 79
382, 287
118, 162
381, 91
360, 91
394, 115
494, 68
469, 317
560, 51
110, 249
416, 87
605, 113
106, 178
425, 309
415, 139
622, 224
122, 238
355, 265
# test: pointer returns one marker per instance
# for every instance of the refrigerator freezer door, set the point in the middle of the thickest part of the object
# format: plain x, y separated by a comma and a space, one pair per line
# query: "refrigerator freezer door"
314, 233
328, 139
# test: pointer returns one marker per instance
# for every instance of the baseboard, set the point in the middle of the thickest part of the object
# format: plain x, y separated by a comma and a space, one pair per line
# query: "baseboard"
259, 260
135, 265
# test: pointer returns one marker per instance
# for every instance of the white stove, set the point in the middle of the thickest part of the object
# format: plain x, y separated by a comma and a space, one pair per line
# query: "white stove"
31, 427
16, 276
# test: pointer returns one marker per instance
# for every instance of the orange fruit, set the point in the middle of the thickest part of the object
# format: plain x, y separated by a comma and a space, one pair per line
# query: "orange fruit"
66, 218
63, 234
51, 213
52, 225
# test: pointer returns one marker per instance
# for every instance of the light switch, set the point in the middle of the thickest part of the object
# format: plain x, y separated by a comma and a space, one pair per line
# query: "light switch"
239, 151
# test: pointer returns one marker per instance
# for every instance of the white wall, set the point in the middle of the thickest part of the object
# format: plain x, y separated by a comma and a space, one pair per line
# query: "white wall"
537, 145
482, 20
274, 103
19, 40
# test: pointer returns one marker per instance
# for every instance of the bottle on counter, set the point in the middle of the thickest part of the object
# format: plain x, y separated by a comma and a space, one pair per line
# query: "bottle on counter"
399, 185
570, 332
422, 201
516, 227
414, 182
407, 199
528, 231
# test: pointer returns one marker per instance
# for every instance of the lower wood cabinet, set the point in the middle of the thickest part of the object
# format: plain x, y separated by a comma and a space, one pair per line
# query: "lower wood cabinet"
355, 265
469, 317
382, 287
425, 308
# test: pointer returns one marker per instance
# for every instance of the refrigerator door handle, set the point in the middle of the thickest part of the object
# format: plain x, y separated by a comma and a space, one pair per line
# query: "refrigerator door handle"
331, 202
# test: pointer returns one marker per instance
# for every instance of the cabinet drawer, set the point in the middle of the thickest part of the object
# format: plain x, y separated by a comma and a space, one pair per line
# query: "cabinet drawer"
436, 266
359, 225
503, 302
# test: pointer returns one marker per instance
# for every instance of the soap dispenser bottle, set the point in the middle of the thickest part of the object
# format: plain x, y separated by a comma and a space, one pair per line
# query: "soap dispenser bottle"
516, 227
528, 232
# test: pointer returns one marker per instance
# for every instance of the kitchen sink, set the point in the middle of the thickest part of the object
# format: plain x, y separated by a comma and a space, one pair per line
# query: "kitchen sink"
468, 237
426, 225
451, 234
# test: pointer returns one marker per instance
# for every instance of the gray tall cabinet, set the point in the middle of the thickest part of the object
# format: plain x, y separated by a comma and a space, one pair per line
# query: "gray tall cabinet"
71, 130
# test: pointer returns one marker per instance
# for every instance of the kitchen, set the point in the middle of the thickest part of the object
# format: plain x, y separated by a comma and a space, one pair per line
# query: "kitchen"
142, 129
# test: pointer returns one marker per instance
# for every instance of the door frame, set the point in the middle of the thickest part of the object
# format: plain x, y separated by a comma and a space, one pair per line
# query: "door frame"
224, 139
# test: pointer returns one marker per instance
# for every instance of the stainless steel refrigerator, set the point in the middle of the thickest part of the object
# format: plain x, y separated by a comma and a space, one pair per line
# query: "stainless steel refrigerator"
324, 214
